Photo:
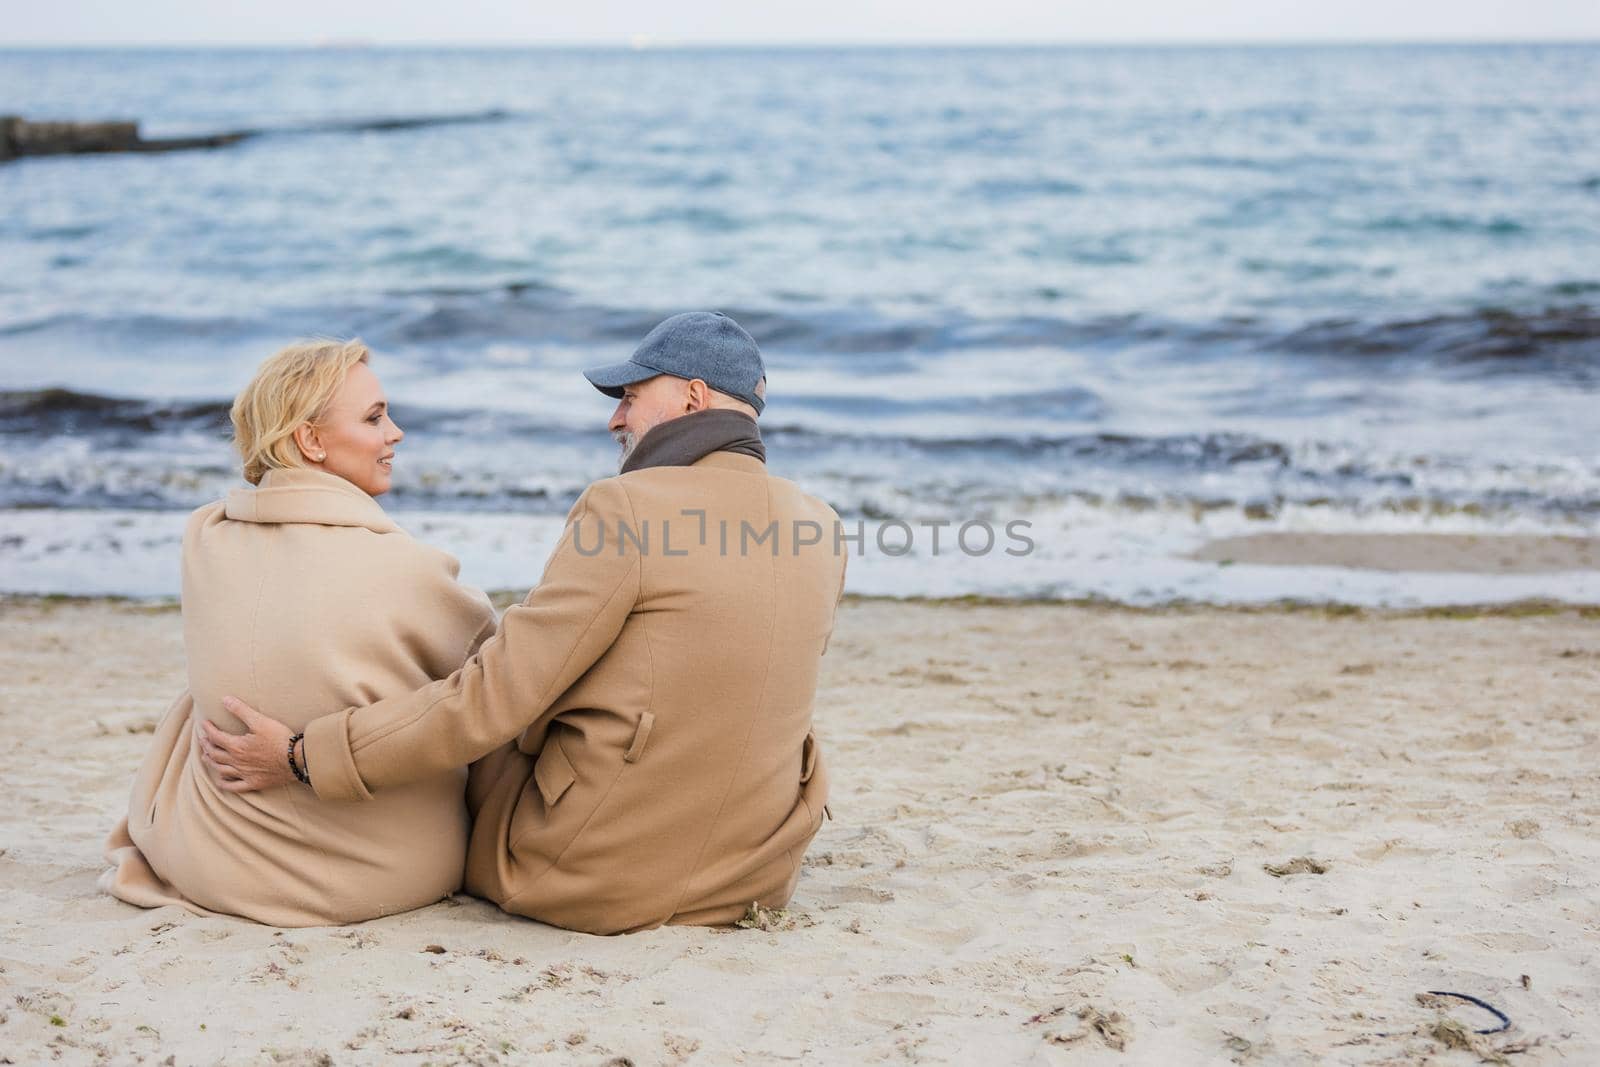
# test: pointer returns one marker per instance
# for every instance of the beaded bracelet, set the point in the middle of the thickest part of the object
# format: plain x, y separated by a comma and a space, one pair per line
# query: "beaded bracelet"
299, 773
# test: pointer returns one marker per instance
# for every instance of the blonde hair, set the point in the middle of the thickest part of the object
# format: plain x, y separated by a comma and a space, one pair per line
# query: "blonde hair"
294, 386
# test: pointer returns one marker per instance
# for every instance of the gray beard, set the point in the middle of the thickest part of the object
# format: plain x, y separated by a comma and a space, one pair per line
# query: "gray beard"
629, 442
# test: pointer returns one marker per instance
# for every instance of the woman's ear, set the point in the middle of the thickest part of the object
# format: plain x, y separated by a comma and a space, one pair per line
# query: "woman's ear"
310, 443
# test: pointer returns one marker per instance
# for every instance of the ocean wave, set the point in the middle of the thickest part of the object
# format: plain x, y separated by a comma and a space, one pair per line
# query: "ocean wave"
1576, 287
534, 312
139, 327
500, 464
69, 232
442, 488
698, 219
1561, 337
1007, 189
447, 258
1209, 451
66, 412
1560, 334
1440, 222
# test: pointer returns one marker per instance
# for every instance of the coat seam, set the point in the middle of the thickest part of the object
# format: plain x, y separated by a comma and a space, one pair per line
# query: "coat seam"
744, 749
644, 621
255, 685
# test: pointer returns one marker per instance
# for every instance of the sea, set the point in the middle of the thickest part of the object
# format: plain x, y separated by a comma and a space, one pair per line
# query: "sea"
1133, 299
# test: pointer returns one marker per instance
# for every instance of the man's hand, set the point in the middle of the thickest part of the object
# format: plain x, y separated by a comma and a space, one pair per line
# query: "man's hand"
256, 759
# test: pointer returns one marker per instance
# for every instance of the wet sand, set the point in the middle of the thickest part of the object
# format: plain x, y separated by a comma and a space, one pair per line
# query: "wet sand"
1415, 553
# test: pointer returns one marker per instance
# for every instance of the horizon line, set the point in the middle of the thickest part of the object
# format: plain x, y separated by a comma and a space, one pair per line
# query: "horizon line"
649, 43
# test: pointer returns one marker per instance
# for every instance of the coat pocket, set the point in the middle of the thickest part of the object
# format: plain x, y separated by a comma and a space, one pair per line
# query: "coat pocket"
636, 749
553, 772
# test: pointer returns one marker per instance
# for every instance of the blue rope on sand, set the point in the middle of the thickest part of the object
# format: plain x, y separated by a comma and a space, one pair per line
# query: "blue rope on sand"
1505, 1021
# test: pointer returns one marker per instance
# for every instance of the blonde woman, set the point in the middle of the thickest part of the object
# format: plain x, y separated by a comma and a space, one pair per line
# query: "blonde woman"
301, 594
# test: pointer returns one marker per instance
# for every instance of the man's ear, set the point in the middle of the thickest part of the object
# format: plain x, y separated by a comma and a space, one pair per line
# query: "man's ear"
309, 443
697, 397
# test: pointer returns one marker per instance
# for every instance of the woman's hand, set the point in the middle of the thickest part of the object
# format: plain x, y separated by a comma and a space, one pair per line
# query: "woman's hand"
256, 759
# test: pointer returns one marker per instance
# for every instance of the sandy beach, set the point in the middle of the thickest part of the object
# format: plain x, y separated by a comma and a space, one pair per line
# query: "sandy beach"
1062, 834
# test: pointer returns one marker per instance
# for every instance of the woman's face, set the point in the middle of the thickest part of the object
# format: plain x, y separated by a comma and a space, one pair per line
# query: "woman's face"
355, 437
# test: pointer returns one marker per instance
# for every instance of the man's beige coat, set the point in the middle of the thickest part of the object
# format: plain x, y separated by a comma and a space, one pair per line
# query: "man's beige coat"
658, 687
297, 595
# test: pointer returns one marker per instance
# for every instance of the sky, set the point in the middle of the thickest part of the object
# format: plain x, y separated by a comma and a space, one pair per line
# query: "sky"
637, 23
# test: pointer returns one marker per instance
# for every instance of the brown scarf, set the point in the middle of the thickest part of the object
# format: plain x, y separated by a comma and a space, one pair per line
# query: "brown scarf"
687, 439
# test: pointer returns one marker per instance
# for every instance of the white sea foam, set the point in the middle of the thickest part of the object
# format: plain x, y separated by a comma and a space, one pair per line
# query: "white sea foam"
1125, 555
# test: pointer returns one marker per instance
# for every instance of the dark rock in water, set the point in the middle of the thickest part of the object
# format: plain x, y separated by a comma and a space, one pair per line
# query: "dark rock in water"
19, 137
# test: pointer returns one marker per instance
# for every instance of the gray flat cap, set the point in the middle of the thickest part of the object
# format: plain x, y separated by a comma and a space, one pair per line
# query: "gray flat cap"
697, 344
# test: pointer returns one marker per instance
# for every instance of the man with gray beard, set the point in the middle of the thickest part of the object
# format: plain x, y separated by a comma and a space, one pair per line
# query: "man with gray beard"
666, 378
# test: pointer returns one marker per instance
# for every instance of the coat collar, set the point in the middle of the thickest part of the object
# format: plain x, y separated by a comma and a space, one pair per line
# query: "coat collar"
302, 495
731, 461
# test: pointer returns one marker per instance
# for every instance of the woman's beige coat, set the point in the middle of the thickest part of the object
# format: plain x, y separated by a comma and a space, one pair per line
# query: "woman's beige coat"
297, 596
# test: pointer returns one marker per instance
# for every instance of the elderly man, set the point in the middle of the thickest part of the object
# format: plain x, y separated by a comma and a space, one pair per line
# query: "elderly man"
656, 687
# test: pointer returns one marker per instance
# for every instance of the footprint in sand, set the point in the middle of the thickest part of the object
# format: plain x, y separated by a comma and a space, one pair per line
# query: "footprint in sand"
891, 1008
1186, 978
945, 938
861, 894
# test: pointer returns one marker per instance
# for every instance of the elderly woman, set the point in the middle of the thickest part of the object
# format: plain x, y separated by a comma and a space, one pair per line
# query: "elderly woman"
301, 594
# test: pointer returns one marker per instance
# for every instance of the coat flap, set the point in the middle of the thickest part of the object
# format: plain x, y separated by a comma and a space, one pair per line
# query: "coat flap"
640, 736
553, 771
